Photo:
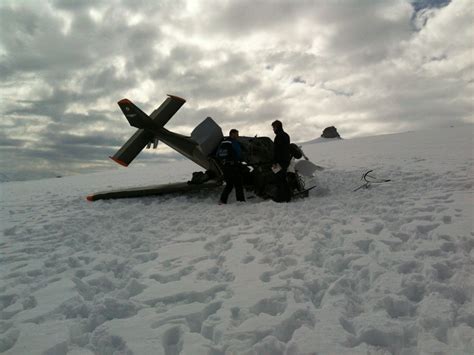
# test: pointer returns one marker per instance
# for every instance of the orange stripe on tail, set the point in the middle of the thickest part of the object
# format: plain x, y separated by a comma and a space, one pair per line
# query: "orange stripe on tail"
119, 161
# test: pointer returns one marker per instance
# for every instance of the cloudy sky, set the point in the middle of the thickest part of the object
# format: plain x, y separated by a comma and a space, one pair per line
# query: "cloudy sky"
365, 66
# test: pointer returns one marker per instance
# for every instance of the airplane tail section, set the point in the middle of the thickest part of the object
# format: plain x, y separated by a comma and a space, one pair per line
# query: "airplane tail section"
148, 126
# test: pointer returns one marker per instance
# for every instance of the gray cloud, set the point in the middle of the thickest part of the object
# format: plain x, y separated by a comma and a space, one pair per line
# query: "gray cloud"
366, 67
8, 142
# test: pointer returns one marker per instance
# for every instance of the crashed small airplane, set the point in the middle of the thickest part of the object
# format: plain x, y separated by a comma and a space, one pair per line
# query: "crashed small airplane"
200, 147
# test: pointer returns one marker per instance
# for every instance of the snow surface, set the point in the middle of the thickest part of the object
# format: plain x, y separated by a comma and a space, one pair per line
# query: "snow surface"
384, 270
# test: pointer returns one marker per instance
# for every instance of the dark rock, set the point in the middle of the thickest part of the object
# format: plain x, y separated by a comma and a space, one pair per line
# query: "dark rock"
330, 132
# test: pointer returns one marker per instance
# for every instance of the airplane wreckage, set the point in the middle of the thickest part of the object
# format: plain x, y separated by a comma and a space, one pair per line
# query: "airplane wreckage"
200, 147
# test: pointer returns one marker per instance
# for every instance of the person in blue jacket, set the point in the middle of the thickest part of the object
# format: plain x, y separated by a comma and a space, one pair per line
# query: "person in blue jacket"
229, 153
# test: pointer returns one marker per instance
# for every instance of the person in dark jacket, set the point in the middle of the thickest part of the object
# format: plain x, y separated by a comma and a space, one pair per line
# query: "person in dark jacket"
281, 161
229, 153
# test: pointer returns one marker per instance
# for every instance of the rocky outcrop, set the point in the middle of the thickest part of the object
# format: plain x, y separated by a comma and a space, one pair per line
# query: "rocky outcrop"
330, 132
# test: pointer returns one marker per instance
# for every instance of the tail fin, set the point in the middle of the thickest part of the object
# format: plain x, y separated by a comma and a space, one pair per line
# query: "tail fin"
135, 116
167, 109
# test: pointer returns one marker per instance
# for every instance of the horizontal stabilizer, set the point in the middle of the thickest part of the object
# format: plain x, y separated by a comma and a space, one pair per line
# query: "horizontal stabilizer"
132, 147
135, 116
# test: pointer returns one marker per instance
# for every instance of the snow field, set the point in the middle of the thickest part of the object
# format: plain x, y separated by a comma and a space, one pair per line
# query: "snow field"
384, 270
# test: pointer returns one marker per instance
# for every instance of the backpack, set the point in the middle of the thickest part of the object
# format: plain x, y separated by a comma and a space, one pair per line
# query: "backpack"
225, 151
295, 151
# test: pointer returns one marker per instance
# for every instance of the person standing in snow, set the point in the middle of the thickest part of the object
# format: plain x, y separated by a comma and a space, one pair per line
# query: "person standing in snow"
229, 153
281, 161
